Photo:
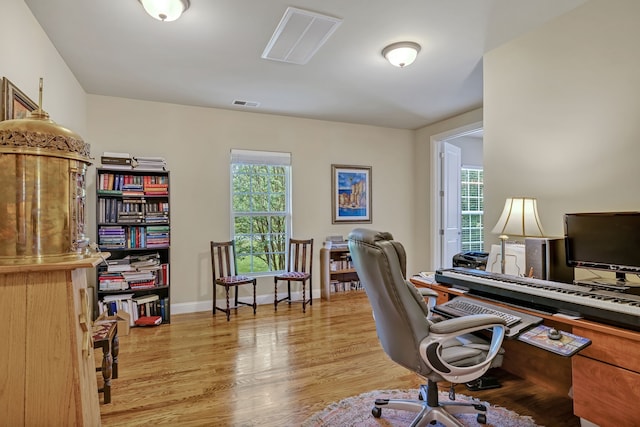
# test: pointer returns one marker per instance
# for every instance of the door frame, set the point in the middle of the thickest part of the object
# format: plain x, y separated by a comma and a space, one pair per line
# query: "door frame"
436, 205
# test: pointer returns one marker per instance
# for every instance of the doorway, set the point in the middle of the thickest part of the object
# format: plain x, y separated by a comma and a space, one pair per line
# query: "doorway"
445, 189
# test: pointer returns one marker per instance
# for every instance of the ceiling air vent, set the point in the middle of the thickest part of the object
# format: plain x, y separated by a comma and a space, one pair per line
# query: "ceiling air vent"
299, 35
240, 103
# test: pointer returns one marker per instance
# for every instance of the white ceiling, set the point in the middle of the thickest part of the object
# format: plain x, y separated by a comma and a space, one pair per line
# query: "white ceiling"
210, 57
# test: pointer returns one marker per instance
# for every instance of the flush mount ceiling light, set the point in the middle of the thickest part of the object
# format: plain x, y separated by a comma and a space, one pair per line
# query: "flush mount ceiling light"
165, 10
401, 54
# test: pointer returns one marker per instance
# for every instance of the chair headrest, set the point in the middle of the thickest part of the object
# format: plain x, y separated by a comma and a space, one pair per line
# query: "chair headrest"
366, 235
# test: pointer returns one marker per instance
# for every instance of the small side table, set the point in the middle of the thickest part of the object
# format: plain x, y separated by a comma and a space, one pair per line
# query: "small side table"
105, 336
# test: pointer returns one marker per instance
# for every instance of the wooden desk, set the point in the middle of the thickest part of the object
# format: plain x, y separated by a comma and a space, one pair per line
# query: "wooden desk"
604, 377
47, 369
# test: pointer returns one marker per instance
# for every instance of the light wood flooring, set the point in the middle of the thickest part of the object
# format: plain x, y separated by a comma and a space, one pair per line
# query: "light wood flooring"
275, 369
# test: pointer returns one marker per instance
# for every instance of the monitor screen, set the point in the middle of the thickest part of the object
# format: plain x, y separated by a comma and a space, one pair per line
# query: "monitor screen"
603, 240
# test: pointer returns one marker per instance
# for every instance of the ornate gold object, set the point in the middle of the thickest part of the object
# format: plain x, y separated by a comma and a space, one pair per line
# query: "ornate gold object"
42, 191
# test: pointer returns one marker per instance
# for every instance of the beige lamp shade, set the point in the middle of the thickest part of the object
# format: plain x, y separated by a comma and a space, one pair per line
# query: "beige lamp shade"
519, 218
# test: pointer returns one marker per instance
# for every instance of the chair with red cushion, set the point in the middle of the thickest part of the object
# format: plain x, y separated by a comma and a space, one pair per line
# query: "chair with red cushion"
299, 269
224, 266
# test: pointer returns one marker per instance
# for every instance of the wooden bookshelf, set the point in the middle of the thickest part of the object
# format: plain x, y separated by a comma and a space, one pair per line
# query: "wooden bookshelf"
337, 274
133, 224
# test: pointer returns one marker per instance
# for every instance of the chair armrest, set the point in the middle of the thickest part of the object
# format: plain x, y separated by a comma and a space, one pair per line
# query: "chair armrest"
439, 333
456, 325
426, 292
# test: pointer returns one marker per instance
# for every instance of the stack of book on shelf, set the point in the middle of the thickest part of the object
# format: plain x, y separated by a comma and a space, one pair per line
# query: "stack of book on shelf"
143, 310
111, 237
143, 271
157, 236
150, 163
133, 188
112, 304
157, 185
117, 161
151, 309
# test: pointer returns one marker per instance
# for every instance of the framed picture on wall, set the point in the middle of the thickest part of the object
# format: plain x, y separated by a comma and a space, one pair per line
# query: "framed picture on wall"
15, 104
350, 194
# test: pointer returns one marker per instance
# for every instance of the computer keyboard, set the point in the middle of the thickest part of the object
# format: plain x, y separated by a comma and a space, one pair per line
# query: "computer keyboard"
466, 307
462, 306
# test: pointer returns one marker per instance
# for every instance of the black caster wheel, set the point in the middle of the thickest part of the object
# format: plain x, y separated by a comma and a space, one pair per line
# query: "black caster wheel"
376, 412
481, 418
420, 394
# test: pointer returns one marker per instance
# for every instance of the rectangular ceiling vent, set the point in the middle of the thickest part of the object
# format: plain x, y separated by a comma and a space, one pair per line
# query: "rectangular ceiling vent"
299, 35
240, 103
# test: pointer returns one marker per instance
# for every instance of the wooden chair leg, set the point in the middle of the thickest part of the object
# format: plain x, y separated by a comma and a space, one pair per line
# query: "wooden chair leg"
215, 288
254, 297
115, 350
228, 306
275, 295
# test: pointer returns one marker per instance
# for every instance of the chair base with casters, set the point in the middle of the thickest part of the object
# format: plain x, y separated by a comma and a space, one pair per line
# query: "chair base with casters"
240, 280
430, 409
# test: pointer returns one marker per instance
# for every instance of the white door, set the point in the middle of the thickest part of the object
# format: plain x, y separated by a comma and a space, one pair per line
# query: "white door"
451, 158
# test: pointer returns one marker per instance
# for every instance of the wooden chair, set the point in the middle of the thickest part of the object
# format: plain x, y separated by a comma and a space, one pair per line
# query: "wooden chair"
299, 269
105, 336
224, 266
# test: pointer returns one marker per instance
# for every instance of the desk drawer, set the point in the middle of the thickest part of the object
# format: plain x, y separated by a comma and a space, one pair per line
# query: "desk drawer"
605, 394
615, 350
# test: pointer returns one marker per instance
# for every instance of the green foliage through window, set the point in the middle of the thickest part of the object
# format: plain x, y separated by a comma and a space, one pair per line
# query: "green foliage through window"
261, 216
472, 199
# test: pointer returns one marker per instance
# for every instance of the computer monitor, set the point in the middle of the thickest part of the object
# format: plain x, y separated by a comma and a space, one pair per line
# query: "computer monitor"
604, 241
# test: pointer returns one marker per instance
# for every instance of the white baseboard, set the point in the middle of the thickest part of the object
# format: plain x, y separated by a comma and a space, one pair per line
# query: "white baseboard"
197, 306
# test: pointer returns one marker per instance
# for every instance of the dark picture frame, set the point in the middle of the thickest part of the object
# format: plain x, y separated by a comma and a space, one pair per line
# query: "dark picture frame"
15, 104
351, 194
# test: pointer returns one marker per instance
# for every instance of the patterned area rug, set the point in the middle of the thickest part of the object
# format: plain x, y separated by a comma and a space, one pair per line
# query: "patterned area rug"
356, 411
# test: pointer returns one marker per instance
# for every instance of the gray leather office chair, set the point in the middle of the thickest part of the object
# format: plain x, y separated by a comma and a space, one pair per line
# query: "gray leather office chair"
445, 350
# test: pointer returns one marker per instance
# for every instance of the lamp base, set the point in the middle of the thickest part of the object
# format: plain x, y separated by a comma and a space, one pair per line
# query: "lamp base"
503, 255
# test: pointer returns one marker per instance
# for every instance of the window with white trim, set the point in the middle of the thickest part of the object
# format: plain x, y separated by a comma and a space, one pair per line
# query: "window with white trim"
472, 202
260, 209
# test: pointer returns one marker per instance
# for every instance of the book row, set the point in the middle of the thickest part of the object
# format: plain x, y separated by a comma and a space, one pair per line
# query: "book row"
143, 310
132, 211
119, 237
342, 263
133, 185
338, 286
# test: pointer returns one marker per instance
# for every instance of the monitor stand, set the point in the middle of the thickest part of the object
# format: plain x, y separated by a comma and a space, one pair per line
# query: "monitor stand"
619, 284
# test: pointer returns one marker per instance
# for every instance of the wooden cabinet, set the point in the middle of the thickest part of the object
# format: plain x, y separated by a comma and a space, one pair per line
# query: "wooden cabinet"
337, 274
48, 373
607, 371
133, 224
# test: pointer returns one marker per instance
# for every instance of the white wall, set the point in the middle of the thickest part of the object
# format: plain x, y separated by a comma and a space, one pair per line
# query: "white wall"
27, 55
196, 143
561, 115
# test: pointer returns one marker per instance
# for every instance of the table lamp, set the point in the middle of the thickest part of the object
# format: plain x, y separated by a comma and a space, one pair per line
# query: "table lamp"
519, 218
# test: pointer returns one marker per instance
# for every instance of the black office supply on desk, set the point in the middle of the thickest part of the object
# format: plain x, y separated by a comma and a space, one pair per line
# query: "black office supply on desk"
567, 345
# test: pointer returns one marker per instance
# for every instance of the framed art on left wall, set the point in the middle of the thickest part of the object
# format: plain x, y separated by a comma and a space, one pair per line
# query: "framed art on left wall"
15, 104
